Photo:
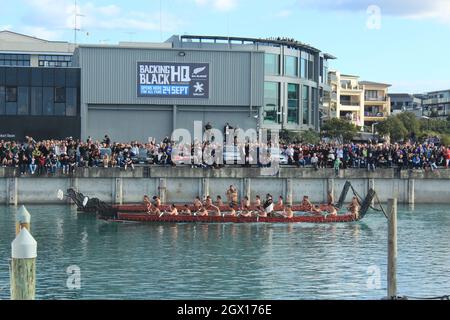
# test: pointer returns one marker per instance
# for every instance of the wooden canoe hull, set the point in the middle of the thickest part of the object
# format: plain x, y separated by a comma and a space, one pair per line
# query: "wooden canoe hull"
143, 217
224, 208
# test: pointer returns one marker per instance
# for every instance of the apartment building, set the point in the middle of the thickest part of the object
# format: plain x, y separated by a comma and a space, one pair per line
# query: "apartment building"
364, 103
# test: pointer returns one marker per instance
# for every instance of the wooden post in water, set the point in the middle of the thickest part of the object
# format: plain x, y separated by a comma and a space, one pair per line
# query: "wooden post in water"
392, 249
23, 266
23, 219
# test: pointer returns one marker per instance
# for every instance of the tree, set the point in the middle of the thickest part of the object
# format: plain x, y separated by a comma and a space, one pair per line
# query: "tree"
339, 129
410, 122
394, 128
289, 136
311, 137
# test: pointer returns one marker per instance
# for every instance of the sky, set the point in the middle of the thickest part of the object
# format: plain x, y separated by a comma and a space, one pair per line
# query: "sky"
400, 42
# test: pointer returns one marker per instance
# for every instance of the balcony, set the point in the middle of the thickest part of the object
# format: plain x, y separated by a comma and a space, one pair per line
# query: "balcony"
351, 87
375, 99
375, 114
436, 101
350, 103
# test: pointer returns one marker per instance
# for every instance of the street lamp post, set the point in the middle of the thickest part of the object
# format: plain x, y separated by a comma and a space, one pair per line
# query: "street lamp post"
373, 128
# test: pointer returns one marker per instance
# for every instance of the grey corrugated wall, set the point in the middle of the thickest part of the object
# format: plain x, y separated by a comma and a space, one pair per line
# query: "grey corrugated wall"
108, 75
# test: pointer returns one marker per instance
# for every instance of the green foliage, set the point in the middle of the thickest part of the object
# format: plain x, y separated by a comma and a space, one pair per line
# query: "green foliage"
410, 122
289, 136
394, 128
310, 136
339, 129
445, 139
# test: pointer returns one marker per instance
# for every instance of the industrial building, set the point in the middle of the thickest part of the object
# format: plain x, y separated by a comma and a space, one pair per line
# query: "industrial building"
39, 88
134, 91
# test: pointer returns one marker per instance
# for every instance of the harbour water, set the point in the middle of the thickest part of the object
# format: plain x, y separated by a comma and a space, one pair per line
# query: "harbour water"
231, 261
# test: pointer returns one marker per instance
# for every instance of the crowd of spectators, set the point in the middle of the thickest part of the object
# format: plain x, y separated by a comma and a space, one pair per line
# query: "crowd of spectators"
66, 156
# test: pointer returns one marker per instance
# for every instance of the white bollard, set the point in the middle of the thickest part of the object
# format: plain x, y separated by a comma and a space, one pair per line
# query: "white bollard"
23, 219
23, 266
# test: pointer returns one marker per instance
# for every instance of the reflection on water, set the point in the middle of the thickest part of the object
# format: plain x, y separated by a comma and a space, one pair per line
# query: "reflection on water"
230, 261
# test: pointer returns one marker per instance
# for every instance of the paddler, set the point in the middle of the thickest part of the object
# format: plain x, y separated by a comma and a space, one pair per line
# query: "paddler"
308, 206
147, 204
197, 203
287, 212
219, 201
354, 207
268, 204
186, 211
156, 201
173, 211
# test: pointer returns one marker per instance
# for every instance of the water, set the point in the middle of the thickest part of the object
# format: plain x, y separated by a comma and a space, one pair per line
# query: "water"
232, 261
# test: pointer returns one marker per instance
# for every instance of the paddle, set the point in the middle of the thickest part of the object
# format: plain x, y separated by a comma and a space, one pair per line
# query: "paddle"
60, 195
85, 201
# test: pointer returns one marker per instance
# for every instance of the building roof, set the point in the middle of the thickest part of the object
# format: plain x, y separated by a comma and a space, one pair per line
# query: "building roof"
243, 40
17, 36
438, 91
349, 76
371, 83
400, 95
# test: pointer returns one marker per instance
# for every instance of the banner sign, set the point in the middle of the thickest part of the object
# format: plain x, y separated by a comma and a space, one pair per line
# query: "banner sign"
172, 80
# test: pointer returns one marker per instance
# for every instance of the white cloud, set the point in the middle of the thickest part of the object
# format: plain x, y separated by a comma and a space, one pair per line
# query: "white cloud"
283, 13
53, 17
42, 33
413, 9
220, 5
5, 27
201, 2
225, 5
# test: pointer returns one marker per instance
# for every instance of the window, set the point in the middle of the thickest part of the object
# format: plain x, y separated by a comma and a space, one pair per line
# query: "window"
14, 59
314, 100
272, 64
60, 94
291, 66
304, 68
11, 94
371, 95
23, 101
293, 95
55, 61
71, 105
36, 101
271, 101
311, 68
306, 107
48, 97
2, 100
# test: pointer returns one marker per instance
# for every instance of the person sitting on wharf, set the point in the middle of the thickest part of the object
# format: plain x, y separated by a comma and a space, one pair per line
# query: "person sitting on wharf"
287, 212
173, 211
353, 207
308, 206
219, 201
186, 211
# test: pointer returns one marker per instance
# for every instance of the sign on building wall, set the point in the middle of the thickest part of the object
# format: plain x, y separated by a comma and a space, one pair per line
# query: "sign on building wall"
172, 80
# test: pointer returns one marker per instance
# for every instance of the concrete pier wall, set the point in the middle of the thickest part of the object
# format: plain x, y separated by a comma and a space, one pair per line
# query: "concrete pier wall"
182, 184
